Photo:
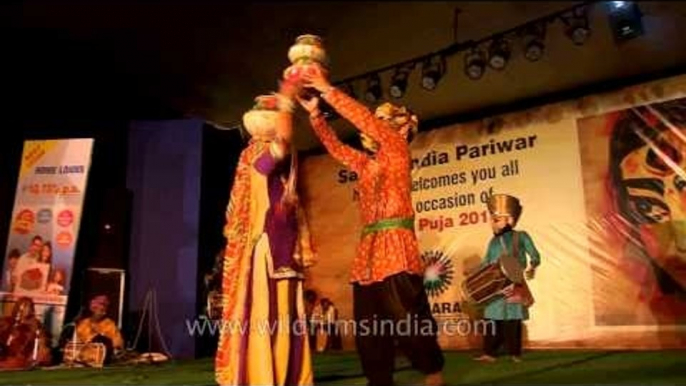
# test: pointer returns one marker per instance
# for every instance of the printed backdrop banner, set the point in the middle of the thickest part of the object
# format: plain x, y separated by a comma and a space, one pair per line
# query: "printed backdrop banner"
604, 200
45, 226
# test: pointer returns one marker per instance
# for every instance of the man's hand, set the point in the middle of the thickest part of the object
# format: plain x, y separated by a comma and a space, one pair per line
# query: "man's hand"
288, 89
314, 76
508, 291
310, 105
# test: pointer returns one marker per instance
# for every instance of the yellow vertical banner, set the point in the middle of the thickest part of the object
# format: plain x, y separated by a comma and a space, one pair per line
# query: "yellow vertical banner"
45, 225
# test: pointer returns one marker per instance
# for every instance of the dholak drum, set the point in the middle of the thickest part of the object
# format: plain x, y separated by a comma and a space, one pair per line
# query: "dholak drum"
488, 281
85, 354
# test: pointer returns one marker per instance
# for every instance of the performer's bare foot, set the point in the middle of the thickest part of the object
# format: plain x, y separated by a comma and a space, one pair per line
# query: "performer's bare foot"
435, 379
485, 358
516, 359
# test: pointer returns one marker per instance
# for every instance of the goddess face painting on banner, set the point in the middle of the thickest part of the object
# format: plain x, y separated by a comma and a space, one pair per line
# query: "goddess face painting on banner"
640, 213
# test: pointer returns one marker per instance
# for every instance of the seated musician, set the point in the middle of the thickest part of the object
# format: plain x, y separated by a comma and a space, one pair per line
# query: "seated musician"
24, 342
98, 328
507, 310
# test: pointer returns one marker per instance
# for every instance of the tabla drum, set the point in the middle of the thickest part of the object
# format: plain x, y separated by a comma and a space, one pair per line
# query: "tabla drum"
485, 283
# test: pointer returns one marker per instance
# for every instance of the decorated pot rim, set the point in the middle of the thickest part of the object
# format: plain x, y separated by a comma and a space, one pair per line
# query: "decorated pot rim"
267, 102
309, 39
260, 123
303, 60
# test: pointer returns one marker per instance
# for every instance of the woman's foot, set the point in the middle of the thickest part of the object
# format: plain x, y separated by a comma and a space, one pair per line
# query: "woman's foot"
516, 359
485, 358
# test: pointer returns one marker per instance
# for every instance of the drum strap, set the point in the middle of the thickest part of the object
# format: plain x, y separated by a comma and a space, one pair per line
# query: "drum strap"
515, 245
526, 298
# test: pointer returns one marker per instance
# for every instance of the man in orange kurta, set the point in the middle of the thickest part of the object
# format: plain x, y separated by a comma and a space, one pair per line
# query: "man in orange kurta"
387, 272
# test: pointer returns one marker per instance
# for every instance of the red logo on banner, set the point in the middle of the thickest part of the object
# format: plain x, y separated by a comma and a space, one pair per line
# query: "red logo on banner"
64, 239
24, 221
65, 218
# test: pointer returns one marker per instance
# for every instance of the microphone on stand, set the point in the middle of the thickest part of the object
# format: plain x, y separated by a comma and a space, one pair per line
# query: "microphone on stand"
36, 341
68, 347
75, 321
17, 322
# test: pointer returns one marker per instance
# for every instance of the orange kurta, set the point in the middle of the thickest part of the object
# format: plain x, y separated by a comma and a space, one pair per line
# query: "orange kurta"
384, 189
88, 329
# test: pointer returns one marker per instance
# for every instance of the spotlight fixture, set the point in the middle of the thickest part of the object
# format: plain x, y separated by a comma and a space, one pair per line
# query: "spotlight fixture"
498, 54
625, 20
373, 93
533, 51
618, 4
475, 64
576, 25
433, 70
533, 37
399, 81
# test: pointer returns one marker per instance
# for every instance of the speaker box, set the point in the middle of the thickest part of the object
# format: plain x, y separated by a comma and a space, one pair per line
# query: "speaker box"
113, 234
108, 282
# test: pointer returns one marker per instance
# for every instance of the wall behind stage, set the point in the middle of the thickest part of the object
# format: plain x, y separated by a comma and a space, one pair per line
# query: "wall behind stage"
164, 175
604, 195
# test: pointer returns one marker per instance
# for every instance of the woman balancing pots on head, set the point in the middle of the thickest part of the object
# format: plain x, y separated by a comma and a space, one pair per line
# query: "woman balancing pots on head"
268, 249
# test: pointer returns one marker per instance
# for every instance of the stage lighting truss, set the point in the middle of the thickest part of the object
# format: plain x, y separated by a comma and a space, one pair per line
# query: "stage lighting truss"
577, 25
475, 63
399, 81
499, 53
433, 70
373, 93
533, 37
495, 51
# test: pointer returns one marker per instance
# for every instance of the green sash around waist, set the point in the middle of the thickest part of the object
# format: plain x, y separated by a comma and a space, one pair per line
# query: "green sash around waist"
389, 223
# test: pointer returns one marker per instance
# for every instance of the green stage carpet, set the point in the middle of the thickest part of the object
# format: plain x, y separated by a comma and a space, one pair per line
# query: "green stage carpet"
542, 367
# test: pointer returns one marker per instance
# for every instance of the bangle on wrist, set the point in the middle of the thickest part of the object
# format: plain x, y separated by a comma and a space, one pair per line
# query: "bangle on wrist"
326, 91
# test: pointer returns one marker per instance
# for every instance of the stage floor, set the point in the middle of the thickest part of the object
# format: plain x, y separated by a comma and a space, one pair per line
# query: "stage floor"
541, 367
